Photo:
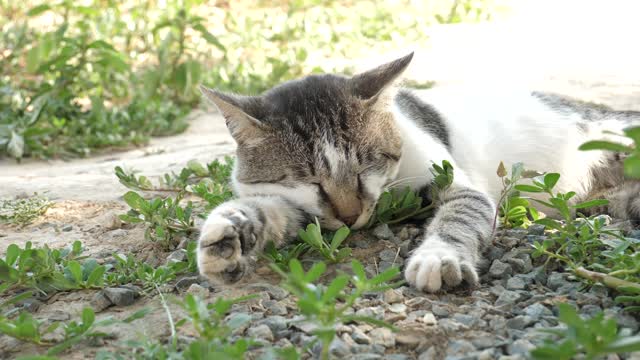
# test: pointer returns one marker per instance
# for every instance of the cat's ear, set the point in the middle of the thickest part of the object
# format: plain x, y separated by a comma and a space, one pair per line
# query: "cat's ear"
238, 112
370, 83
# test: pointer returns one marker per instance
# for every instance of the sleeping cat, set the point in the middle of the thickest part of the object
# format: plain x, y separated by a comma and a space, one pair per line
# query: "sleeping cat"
327, 146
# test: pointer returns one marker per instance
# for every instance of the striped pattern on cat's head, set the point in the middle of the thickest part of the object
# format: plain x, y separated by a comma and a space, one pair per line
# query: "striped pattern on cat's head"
327, 143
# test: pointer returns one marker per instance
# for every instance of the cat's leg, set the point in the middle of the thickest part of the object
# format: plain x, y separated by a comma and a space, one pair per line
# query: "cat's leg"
240, 228
454, 240
624, 202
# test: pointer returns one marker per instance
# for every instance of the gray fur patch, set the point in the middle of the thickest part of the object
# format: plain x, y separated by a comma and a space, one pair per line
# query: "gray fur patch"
424, 115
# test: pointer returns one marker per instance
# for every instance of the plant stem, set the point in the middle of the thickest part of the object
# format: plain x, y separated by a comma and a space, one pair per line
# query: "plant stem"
605, 279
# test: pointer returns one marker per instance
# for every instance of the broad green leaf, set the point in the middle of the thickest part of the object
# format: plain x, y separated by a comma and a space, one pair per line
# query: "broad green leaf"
37, 10
551, 179
591, 203
339, 237
96, 278
528, 188
75, 269
632, 166
134, 200
334, 288
315, 272
605, 145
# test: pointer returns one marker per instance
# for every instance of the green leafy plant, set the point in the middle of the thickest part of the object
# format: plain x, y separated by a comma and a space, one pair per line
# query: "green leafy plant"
395, 206
632, 161
514, 210
165, 218
581, 244
24, 211
326, 306
283, 256
589, 338
327, 246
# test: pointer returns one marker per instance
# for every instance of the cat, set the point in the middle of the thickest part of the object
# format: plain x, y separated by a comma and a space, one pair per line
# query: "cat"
327, 146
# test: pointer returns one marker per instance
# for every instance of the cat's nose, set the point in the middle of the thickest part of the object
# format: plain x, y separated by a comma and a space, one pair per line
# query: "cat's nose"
349, 220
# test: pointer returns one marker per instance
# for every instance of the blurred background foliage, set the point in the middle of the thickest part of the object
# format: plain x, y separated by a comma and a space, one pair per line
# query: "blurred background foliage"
76, 76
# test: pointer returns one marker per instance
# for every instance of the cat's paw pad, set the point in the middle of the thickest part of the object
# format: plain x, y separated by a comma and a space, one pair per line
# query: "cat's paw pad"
432, 266
220, 247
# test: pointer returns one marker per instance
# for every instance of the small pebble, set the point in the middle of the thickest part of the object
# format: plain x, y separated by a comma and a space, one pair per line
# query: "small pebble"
382, 232
391, 296
262, 332
198, 290
499, 269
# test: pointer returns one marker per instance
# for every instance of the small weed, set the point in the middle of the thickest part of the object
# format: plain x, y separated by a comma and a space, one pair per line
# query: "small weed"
589, 339
23, 211
632, 161
165, 219
283, 256
326, 306
514, 210
395, 206
328, 247
592, 252
26, 328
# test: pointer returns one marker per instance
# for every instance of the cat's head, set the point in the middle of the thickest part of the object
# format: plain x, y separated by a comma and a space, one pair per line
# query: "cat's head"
327, 143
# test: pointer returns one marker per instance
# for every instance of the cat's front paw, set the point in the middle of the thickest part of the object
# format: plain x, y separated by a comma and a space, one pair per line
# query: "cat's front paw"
225, 238
435, 263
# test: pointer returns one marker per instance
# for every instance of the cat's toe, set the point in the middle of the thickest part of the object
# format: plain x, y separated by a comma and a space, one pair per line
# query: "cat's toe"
429, 269
220, 250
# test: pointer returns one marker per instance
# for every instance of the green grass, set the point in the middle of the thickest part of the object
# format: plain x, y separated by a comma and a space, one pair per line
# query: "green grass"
77, 78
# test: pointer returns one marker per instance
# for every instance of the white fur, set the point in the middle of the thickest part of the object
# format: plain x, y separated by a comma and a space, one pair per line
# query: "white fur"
486, 127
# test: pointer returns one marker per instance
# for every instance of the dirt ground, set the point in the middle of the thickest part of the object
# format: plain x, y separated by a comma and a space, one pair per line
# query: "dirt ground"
87, 195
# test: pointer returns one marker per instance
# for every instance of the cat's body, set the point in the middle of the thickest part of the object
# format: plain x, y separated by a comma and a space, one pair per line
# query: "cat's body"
326, 147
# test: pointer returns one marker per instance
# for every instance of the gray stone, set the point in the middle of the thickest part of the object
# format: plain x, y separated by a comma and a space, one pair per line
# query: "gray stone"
67, 228
494, 253
520, 322
536, 229
396, 357
465, 319
398, 308
405, 248
274, 308
440, 311
606, 219
198, 290
508, 297
403, 234
537, 310
360, 337
262, 332
100, 301
382, 232
634, 234
516, 283
557, 280
275, 292
429, 319
450, 325
590, 310
460, 347
389, 255
383, 336
500, 270
516, 233
276, 323
392, 296
177, 256
484, 342
31, 305
520, 347
430, 354
339, 349
184, 283
366, 356
120, 296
